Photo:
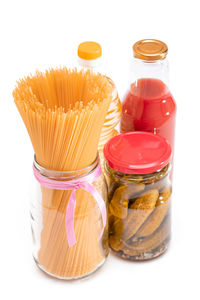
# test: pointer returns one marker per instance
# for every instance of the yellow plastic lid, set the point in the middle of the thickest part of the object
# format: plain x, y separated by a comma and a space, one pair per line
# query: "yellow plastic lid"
150, 49
89, 50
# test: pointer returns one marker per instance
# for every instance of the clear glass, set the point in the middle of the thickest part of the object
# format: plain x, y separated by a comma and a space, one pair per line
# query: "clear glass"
157, 69
94, 64
148, 104
114, 112
139, 213
48, 210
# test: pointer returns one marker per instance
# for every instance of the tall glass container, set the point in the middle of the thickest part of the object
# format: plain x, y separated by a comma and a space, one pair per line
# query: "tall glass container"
90, 57
149, 105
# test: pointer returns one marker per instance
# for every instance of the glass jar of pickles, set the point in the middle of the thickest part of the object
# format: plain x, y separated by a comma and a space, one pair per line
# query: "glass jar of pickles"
137, 168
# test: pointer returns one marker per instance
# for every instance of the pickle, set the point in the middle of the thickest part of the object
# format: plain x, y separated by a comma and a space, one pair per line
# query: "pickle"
116, 244
134, 189
138, 212
116, 231
157, 216
120, 200
151, 242
119, 203
111, 189
111, 220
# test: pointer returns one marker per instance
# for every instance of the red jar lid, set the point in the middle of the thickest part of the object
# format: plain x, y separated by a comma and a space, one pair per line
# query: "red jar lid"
137, 152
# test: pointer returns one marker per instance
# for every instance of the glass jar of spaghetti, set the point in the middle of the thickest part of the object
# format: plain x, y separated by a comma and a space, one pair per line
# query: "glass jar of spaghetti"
138, 167
69, 221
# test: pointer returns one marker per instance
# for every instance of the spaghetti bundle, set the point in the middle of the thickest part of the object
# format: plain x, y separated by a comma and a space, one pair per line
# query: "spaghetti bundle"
112, 119
64, 111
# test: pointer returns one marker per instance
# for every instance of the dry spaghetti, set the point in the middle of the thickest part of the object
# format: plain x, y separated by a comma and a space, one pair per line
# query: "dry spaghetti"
64, 111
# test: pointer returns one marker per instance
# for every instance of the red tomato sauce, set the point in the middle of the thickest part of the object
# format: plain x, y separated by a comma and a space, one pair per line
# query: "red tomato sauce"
149, 106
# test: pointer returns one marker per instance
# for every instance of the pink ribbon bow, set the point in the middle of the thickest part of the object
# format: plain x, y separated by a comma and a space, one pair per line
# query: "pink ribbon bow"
85, 183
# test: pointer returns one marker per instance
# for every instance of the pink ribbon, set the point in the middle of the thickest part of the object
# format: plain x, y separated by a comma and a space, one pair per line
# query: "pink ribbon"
84, 183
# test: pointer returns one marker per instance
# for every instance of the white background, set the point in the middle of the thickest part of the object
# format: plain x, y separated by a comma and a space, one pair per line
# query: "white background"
39, 34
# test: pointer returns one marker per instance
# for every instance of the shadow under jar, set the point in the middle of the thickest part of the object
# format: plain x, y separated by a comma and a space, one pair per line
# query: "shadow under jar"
52, 216
139, 193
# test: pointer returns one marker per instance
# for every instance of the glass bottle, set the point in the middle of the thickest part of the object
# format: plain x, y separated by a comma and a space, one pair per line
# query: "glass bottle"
149, 105
90, 57
52, 250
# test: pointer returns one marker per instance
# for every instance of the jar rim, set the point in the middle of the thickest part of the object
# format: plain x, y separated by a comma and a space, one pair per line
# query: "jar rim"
137, 177
155, 62
67, 175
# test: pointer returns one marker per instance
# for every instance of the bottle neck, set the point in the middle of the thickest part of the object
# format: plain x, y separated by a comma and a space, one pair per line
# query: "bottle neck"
157, 69
95, 64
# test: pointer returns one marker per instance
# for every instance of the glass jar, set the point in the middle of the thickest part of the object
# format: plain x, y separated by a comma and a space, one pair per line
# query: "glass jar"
148, 104
139, 193
52, 216
90, 57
